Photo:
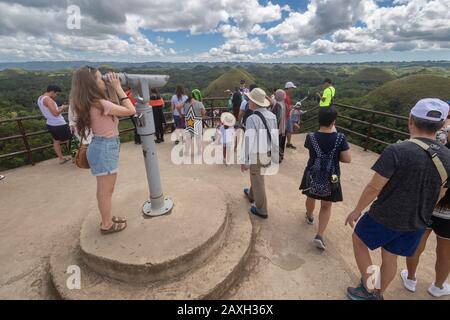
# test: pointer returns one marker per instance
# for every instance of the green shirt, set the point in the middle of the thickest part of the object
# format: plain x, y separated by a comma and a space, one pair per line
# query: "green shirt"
328, 94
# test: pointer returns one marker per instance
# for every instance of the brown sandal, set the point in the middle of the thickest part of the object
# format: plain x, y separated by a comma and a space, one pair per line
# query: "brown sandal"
119, 220
115, 228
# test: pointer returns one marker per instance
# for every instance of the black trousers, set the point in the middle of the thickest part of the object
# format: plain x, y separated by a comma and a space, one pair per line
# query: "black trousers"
158, 116
282, 141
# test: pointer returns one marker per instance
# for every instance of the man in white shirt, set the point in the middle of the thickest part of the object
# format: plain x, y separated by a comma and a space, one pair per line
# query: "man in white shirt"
56, 124
260, 147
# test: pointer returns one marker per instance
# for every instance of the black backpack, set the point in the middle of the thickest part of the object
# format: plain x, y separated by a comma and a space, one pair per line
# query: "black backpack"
247, 114
320, 175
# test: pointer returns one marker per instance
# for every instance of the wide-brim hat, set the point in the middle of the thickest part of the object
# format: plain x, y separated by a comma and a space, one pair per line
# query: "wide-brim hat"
228, 119
259, 97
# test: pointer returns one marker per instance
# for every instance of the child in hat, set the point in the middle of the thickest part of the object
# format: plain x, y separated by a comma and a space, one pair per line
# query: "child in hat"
226, 134
296, 116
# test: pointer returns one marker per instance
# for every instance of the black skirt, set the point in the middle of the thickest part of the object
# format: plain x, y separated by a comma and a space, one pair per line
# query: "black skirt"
336, 194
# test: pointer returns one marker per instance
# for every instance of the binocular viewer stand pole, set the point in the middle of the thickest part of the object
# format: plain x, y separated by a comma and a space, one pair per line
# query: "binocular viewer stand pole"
158, 205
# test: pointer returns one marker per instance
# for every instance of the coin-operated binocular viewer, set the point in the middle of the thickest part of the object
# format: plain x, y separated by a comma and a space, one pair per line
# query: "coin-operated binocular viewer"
140, 85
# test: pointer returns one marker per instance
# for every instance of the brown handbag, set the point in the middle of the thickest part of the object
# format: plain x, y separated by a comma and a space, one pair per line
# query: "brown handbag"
81, 157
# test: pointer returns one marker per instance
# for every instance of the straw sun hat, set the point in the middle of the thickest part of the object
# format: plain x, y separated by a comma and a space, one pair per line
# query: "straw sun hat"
258, 96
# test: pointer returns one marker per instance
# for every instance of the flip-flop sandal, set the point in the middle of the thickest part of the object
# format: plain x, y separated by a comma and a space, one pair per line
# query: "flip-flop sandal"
115, 228
2, 177
64, 161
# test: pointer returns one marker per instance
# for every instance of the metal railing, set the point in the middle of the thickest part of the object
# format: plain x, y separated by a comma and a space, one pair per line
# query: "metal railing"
368, 134
29, 151
214, 111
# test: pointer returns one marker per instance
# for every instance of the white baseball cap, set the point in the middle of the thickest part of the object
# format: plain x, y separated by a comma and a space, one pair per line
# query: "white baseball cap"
431, 109
290, 85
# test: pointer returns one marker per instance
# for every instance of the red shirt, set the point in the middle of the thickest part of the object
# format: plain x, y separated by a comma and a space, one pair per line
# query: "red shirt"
130, 96
288, 104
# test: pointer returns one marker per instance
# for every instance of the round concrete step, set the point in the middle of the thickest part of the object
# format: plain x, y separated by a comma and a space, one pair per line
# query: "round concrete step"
211, 280
161, 248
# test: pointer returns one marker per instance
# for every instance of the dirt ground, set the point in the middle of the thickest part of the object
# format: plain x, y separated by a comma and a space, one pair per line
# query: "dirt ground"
40, 204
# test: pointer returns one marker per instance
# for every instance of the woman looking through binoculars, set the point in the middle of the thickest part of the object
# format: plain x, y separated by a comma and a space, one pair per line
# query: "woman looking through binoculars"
91, 98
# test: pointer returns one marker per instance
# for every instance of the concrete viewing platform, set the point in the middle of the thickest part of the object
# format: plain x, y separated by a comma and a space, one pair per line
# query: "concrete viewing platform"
207, 248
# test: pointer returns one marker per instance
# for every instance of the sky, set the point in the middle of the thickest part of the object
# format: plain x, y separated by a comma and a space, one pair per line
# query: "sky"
304, 31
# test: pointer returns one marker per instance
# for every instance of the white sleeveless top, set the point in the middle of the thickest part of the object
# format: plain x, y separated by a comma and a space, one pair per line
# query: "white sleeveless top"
51, 119
442, 213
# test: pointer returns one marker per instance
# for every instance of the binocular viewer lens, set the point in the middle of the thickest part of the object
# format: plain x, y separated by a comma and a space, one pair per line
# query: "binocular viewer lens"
136, 80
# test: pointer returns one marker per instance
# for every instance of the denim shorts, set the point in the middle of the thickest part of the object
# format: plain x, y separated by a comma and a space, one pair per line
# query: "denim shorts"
103, 156
290, 126
375, 235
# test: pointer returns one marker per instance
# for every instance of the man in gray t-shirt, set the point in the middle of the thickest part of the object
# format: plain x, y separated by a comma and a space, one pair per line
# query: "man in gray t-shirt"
404, 191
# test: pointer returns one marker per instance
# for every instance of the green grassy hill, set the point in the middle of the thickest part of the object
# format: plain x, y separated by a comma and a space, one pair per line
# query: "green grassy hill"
312, 77
228, 81
412, 71
372, 75
399, 96
13, 72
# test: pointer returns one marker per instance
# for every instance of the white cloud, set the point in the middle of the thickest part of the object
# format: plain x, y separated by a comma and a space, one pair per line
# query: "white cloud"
115, 29
235, 49
329, 27
162, 40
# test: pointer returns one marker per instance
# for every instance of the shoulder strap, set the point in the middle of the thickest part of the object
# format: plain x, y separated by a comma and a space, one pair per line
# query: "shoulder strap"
315, 145
260, 115
434, 156
339, 139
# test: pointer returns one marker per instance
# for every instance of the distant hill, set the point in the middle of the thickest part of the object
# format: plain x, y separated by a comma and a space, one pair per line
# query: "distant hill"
228, 81
437, 71
299, 76
372, 75
400, 95
12, 72
311, 77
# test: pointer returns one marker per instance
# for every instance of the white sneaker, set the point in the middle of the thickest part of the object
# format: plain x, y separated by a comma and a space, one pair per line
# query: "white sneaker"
438, 292
410, 285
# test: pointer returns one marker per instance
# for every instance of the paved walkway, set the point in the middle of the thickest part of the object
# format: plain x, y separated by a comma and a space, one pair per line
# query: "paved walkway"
39, 204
